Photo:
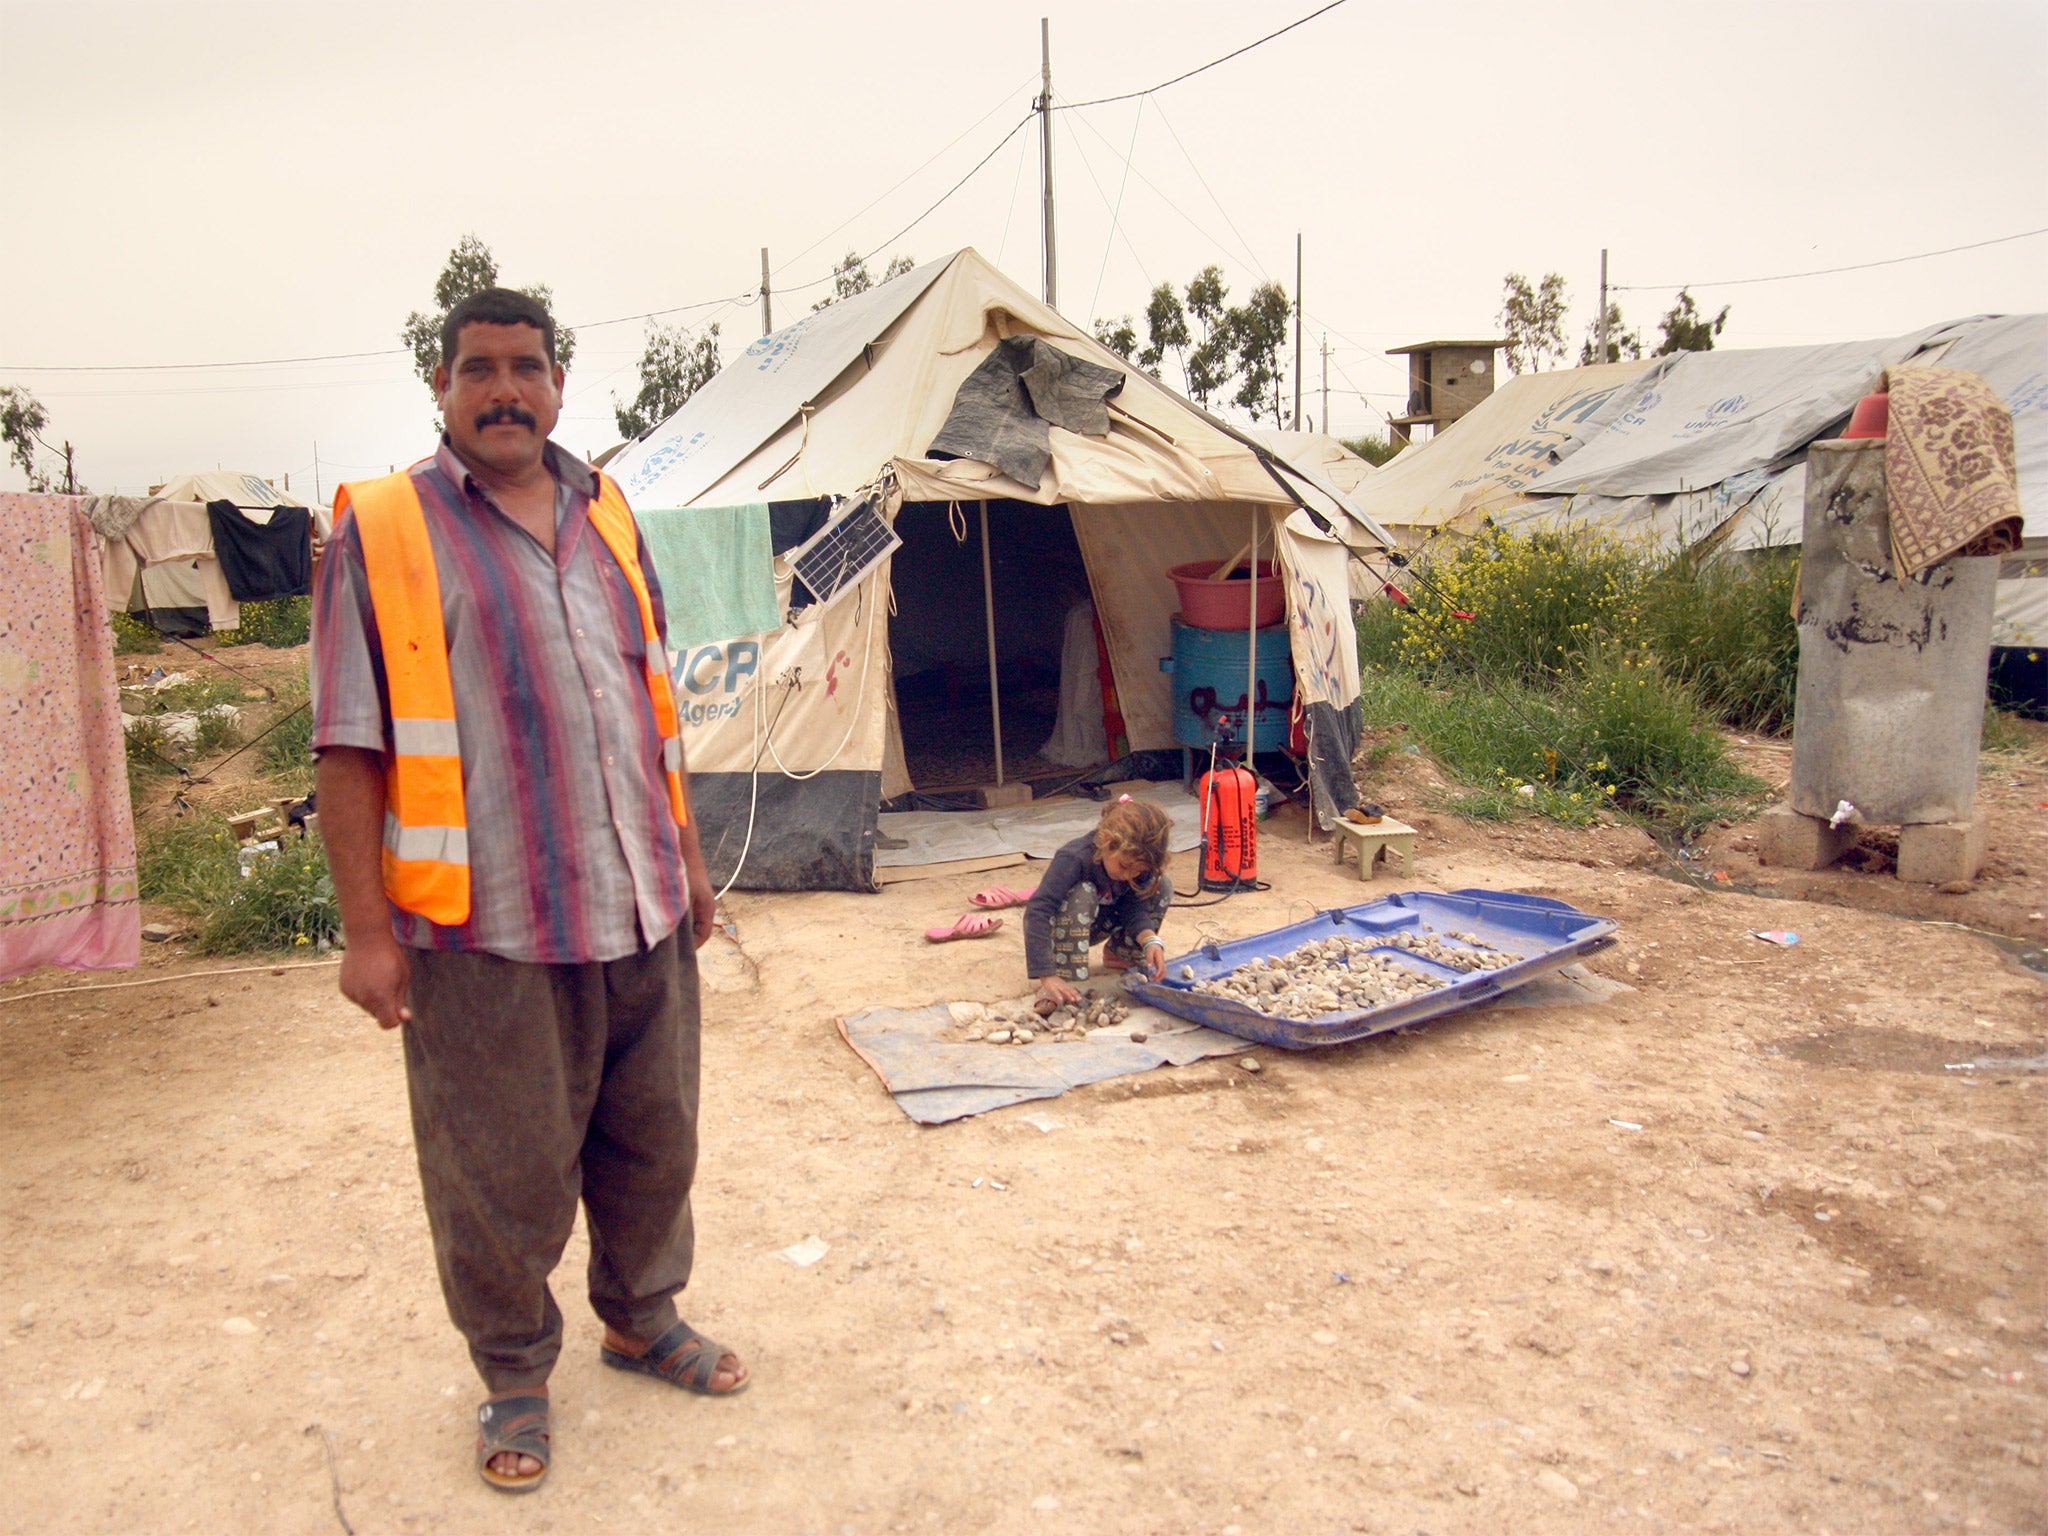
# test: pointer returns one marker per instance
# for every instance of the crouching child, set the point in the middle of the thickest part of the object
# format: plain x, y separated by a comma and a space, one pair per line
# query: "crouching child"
1107, 887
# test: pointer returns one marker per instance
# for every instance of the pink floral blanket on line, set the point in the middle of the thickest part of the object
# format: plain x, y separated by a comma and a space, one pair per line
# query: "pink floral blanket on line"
67, 839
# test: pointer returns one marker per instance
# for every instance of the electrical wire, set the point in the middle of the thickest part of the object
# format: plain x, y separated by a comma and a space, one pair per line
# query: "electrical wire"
1116, 228
651, 314
991, 112
1859, 266
1116, 213
1103, 101
943, 196
157, 981
1010, 214
860, 694
1243, 244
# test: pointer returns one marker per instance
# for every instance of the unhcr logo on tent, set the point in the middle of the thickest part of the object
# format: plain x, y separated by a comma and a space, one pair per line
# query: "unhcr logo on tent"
703, 671
662, 460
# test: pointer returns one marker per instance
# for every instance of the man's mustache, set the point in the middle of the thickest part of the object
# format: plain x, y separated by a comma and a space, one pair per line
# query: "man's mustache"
499, 414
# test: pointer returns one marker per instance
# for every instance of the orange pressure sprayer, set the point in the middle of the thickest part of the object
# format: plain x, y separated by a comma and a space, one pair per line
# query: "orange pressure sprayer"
1230, 838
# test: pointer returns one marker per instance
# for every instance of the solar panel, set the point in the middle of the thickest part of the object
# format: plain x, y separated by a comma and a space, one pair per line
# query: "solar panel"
835, 558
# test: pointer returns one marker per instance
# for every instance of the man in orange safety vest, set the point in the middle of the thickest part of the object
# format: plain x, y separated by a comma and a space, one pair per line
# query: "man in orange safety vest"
506, 812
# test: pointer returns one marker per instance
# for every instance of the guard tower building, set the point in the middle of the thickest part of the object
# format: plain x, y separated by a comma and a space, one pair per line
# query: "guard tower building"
1445, 380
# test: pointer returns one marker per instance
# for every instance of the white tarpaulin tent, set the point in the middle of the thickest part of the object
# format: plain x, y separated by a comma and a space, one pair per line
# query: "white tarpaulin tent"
1477, 467
847, 400
1715, 442
1320, 453
1693, 419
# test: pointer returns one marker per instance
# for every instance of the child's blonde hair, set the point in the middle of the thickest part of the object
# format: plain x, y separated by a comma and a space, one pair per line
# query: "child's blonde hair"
1137, 829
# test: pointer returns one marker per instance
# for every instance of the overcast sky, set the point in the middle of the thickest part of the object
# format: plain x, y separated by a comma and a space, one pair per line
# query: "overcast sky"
216, 182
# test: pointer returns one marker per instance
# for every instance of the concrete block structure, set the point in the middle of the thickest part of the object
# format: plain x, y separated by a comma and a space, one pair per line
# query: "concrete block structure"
1789, 839
1445, 380
1939, 852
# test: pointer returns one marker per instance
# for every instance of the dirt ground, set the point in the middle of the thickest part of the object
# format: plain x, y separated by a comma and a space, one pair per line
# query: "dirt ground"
1737, 1250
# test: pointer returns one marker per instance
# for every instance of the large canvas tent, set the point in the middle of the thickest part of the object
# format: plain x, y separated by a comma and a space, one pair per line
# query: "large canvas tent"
1713, 445
1478, 466
792, 734
1709, 445
245, 490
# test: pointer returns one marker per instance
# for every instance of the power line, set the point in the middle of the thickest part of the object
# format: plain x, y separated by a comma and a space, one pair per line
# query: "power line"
386, 352
1115, 213
1860, 266
991, 112
934, 208
1103, 101
327, 357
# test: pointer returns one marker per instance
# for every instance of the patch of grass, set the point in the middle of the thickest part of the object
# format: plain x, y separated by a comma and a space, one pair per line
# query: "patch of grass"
1545, 605
151, 753
154, 752
1620, 735
187, 863
2007, 733
195, 693
132, 636
1517, 605
286, 753
1381, 624
285, 622
1724, 627
286, 901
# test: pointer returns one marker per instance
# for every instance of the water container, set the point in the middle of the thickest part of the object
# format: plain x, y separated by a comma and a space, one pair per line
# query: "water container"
1208, 682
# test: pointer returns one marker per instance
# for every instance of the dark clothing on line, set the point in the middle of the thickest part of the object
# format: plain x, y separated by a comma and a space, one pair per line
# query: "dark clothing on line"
532, 1086
1120, 908
263, 561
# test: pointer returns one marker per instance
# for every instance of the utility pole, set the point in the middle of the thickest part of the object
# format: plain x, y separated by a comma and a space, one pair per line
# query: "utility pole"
1297, 340
316, 469
1052, 287
70, 480
1326, 381
767, 309
1602, 357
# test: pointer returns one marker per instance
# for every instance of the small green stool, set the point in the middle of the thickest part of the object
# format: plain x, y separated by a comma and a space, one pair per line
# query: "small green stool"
1389, 839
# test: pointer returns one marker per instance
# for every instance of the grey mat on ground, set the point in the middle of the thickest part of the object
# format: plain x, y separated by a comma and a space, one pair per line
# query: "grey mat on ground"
934, 1081
934, 837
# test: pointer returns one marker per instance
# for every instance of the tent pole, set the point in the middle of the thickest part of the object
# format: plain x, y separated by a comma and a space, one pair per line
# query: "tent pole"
1251, 628
988, 608
1297, 330
1044, 106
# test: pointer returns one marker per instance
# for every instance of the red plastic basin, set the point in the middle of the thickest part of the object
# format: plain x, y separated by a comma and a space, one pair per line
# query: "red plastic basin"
1222, 604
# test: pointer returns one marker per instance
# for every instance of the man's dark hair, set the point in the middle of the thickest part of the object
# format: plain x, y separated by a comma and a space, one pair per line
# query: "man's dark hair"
496, 306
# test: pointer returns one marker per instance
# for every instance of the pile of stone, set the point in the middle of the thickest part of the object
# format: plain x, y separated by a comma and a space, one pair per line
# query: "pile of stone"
1338, 975
1477, 956
1016, 1021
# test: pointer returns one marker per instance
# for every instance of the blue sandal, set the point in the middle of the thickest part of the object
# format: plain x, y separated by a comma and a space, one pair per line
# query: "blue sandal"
682, 1357
516, 1424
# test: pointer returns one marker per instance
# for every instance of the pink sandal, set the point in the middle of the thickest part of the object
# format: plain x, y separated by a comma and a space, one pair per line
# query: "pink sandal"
972, 925
996, 897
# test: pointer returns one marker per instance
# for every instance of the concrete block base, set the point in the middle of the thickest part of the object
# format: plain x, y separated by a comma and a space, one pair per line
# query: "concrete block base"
1014, 793
1934, 853
1789, 839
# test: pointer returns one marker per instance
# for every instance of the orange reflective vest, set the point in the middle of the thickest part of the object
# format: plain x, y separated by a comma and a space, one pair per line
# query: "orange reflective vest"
426, 829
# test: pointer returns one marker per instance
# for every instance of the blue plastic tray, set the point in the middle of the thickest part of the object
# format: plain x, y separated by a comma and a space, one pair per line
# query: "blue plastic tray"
1546, 933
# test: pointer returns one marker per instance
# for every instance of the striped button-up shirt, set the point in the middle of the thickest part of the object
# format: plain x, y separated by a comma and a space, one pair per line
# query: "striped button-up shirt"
572, 849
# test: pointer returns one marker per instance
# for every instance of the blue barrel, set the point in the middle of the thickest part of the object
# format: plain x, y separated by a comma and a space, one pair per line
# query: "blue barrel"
1208, 674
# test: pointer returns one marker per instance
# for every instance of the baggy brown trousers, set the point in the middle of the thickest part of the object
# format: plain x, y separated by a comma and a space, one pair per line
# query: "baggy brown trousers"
533, 1086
